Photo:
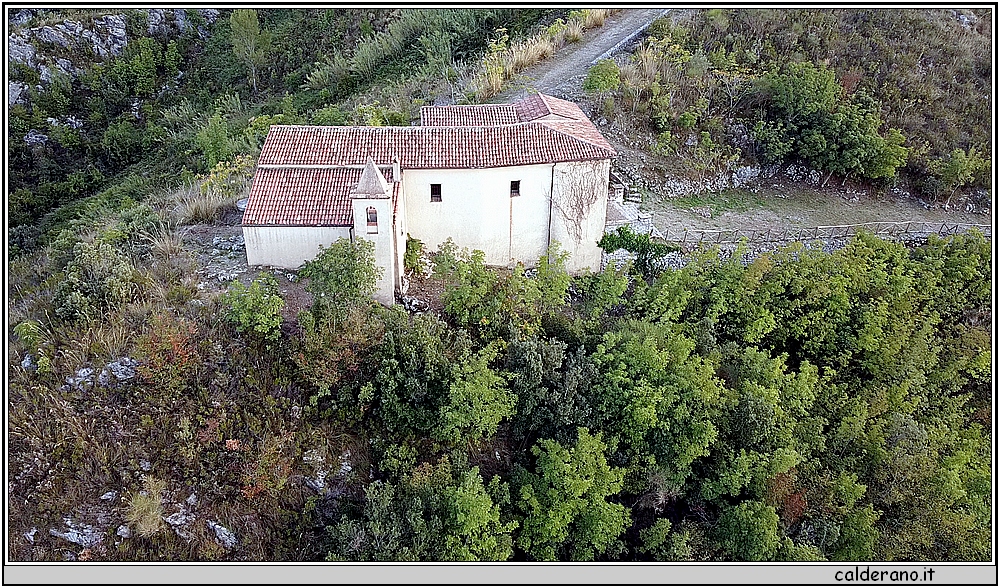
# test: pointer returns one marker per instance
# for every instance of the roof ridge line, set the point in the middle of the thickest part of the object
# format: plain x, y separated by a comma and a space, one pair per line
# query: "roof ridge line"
548, 107
546, 123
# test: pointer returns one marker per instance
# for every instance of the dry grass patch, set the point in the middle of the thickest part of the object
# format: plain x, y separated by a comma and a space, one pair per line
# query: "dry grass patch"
595, 17
145, 507
501, 64
574, 31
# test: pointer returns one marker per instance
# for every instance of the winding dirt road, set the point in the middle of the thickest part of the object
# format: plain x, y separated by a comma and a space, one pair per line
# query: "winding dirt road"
565, 71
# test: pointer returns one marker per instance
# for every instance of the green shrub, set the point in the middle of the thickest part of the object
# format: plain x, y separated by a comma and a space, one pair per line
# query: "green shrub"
329, 116
255, 310
664, 144
97, 278
411, 259
342, 276
687, 120
603, 77
123, 143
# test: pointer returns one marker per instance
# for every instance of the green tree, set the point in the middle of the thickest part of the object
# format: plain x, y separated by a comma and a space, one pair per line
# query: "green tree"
810, 115
553, 279
647, 252
565, 506
478, 400
250, 44
551, 387
342, 276
213, 140
958, 169
654, 398
435, 513
749, 531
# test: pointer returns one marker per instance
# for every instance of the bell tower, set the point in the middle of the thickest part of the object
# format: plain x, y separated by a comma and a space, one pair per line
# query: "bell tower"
371, 200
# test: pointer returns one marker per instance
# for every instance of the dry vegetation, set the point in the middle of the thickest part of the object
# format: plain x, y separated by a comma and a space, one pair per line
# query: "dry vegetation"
504, 61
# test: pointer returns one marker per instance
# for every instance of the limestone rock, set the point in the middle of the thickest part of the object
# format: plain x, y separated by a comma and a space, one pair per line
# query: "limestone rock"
81, 380
16, 93
52, 36
209, 14
155, 21
20, 50
83, 535
116, 372
181, 20
223, 536
22, 17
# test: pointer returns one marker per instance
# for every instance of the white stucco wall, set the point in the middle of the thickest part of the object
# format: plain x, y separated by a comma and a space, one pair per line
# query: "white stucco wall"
477, 211
580, 190
288, 247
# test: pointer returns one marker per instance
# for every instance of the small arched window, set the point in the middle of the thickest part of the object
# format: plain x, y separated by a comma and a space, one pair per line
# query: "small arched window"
372, 220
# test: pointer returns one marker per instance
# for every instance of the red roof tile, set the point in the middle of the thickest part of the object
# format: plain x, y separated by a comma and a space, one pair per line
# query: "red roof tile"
477, 115
304, 197
431, 147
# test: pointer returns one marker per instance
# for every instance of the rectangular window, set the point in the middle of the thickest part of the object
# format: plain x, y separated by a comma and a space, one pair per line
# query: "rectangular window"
515, 188
435, 192
372, 220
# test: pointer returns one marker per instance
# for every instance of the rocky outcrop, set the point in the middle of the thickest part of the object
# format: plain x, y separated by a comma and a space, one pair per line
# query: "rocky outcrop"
160, 22
20, 50
106, 38
223, 536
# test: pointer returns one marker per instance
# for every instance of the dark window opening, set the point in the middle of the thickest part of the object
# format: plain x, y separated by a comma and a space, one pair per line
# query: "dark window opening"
435, 192
515, 188
372, 220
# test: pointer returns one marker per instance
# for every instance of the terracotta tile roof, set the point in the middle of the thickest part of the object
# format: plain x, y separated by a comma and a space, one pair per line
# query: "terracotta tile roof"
303, 197
563, 108
528, 109
433, 147
531, 108
477, 115
583, 130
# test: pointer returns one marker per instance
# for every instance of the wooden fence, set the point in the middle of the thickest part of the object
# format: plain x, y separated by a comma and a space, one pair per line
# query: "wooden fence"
903, 231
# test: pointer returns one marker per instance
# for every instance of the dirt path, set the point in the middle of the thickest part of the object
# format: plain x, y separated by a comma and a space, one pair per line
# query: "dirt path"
793, 206
565, 71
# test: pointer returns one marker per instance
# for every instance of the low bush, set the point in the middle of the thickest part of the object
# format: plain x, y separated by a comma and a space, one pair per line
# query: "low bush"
255, 310
97, 278
605, 76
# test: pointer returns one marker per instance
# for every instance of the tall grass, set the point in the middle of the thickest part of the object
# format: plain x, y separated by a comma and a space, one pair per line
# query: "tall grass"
194, 205
502, 63
146, 507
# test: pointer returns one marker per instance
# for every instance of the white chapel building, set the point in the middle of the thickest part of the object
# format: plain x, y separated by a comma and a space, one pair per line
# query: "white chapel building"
508, 179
